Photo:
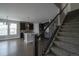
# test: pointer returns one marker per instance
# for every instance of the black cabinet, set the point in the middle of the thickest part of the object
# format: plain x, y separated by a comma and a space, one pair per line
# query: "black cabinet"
22, 26
26, 26
30, 26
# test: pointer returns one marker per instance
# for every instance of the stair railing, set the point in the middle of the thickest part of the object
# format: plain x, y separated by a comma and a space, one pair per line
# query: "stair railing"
38, 36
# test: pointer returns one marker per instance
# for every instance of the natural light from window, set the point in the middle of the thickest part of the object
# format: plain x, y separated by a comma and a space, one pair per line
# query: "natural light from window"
13, 28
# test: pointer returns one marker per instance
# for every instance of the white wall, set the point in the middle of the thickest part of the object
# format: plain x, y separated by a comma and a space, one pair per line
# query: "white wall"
74, 6
66, 10
36, 28
12, 36
71, 7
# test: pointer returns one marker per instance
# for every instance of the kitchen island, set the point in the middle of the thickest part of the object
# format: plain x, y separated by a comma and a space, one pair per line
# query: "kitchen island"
29, 37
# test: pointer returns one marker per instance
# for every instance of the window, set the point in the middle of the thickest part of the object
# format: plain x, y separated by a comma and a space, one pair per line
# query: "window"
8, 28
3, 28
13, 28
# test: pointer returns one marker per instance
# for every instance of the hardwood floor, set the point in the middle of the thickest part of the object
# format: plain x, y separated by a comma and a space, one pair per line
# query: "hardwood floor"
16, 47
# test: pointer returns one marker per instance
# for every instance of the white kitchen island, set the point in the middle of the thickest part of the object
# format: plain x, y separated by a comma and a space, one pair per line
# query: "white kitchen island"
29, 37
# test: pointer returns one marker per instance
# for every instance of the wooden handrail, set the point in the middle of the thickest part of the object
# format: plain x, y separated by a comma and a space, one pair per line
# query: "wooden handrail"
37, 37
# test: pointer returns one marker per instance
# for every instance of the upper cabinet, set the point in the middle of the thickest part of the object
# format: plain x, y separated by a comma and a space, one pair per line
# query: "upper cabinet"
26, 26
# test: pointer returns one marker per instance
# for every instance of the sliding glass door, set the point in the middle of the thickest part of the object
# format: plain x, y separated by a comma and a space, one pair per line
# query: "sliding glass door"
13, 29
8, 28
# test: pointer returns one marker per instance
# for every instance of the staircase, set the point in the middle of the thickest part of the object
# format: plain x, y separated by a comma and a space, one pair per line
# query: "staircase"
66, 41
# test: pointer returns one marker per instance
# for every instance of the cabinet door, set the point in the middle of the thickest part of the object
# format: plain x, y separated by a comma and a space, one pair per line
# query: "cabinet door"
31, 26
22, 26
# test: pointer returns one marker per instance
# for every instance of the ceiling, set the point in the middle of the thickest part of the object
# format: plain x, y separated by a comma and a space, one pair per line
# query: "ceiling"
30, 12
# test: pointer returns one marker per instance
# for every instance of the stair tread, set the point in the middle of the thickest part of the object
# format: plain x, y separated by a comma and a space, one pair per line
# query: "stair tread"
69, 39
51, 54
69, 28
59, 51
73, 20
75, 23
76, 30
68, 46
67, 34
71, 23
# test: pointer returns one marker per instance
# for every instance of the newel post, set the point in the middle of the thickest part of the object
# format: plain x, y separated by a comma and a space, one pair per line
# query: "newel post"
36, 45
